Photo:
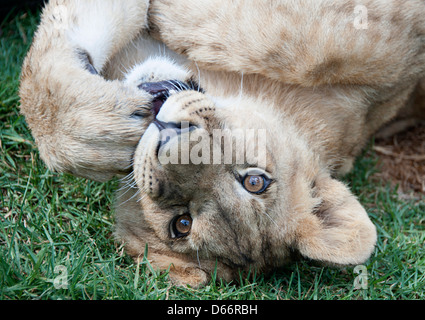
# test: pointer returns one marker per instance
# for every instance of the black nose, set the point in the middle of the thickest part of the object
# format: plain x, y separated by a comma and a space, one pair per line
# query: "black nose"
169, 130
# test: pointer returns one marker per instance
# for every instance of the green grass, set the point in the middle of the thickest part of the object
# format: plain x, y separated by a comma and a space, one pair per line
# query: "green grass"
49, 220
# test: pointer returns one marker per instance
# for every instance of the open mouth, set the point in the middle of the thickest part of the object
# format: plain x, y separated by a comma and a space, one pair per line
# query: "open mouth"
162, 90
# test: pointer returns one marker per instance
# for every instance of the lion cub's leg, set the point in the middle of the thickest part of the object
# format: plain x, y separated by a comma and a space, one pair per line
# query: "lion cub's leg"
81, 122
308, 43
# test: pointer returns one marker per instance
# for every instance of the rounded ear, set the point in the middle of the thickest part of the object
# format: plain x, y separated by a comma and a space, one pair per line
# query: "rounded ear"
339, 230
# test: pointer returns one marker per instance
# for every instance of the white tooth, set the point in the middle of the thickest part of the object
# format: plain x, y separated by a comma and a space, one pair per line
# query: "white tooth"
170, 112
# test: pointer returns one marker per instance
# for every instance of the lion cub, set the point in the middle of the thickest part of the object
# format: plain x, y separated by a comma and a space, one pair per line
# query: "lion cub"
231, 119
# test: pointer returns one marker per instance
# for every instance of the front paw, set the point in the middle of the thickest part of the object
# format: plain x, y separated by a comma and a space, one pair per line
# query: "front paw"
188, 275
95, 132
104, 136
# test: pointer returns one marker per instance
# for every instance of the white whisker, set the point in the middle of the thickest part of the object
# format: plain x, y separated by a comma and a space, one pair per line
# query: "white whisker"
131, 198
127, 177
271, 219
199, 77
120, 195
177, 88
197, 257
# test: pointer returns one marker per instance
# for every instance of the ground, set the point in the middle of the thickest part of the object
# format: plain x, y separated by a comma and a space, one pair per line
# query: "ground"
402, 161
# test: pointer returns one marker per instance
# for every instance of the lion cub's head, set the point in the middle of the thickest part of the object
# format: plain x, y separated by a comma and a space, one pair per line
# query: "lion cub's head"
222, 186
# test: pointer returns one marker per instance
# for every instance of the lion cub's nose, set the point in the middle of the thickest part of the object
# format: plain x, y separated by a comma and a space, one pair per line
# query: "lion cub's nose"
169, 130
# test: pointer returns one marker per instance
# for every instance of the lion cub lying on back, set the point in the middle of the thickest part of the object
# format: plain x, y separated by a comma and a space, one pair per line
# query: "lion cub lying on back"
292, 88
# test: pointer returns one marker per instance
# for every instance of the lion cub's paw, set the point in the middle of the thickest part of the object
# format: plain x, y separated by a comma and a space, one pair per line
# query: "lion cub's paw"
189, 276
154, 70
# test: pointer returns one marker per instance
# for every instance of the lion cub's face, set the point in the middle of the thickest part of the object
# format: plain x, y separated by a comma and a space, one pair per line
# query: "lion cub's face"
223, 186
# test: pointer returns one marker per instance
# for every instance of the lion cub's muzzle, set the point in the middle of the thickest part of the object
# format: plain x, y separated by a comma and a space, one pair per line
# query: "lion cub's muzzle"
160, 92
164, 154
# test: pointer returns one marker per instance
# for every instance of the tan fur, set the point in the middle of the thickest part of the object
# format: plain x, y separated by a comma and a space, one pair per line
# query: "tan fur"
81, 122
299, 70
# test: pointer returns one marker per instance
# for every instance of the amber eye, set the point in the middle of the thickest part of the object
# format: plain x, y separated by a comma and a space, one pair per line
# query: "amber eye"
181, 226
255, 184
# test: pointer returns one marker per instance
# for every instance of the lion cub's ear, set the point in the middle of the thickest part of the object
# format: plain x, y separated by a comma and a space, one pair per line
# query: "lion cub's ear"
339, 230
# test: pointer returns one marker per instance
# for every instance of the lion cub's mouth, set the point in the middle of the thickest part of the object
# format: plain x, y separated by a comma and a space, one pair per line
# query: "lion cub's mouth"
162, 90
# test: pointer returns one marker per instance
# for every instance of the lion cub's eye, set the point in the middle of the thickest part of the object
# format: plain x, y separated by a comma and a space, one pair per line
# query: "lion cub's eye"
255, 183
181, 226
